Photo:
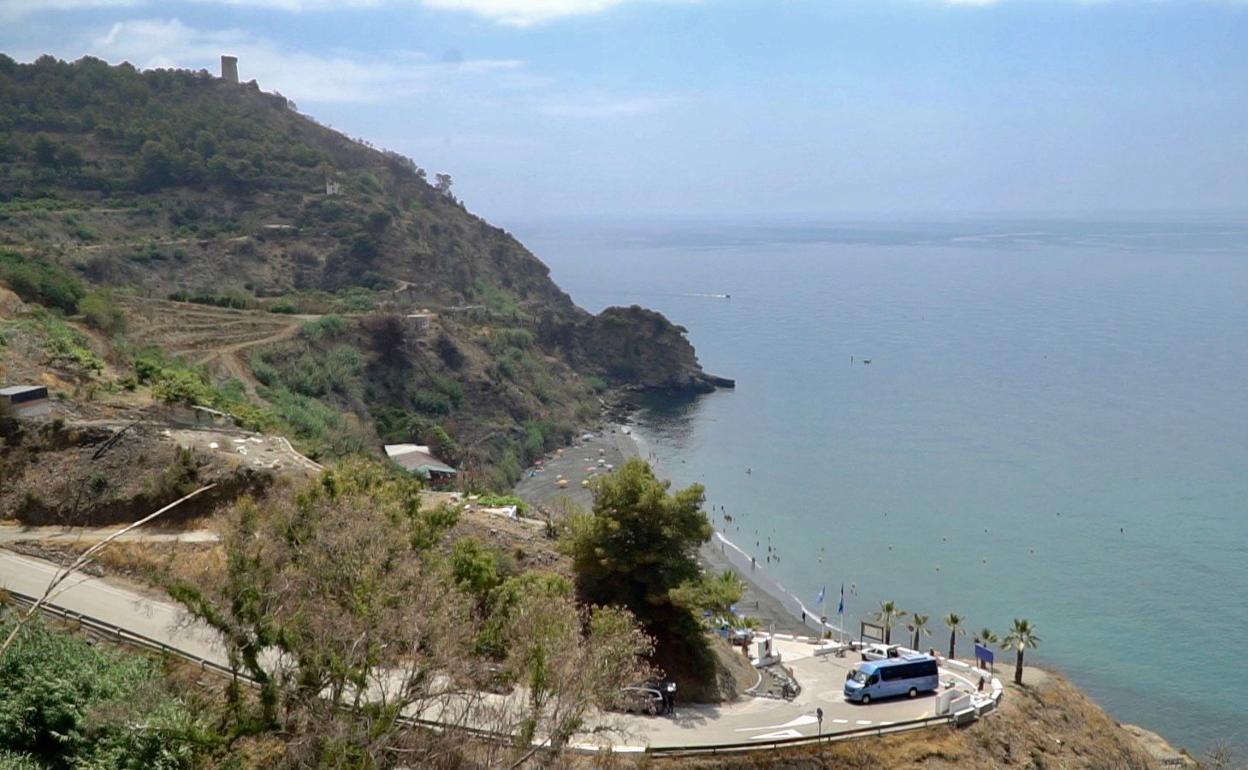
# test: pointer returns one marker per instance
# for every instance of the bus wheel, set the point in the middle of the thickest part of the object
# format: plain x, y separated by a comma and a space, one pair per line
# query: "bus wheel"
866, 700
913, 692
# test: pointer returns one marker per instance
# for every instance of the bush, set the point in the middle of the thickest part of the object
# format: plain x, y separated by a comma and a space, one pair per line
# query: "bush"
263, 371
431, 402
41, 282
67, 703
68, 346
101, 314
182, 386
326, 326
448, 387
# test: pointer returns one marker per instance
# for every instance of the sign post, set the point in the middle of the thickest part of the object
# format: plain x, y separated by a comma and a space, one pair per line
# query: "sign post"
983, 654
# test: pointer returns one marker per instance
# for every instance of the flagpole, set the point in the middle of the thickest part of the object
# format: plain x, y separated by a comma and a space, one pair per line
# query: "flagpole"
840, 621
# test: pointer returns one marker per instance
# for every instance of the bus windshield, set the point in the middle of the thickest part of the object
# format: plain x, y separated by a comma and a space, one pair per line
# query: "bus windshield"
857, 675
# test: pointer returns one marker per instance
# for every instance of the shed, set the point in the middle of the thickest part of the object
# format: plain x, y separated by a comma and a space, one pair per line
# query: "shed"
416, 458
24, 401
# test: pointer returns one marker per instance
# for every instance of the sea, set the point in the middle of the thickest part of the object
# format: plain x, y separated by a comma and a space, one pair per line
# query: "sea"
999, 417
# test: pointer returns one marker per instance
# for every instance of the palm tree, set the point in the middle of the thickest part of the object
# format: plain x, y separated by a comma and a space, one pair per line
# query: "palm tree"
954, 621
918, 627
1021, 636
887, 615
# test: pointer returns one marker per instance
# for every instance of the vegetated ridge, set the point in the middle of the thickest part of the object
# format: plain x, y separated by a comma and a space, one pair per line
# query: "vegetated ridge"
319, 286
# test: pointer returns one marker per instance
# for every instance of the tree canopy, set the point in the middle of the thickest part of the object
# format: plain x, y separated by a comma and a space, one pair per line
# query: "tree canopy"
638, 550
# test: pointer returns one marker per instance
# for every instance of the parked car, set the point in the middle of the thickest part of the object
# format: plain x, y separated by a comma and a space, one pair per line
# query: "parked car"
881, 651
641, 700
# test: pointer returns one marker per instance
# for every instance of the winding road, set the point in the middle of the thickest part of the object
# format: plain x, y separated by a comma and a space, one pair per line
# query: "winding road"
749, 720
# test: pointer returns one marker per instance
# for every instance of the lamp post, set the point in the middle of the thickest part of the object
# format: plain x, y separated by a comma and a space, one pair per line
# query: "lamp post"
819, 716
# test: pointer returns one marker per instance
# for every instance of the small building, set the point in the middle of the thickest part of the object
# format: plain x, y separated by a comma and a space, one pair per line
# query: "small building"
201, 416
229, 68
421, 322
416, 458
24, 401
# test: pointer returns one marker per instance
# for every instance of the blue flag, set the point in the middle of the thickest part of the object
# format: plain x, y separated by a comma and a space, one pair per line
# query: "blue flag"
840, 608
819, 598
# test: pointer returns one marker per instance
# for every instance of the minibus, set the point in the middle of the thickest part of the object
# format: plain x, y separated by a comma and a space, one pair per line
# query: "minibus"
908, 675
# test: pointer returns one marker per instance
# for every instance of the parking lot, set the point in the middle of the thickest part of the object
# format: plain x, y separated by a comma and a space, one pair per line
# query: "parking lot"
822, 680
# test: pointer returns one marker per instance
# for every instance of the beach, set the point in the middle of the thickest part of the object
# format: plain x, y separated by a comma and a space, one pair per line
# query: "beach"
594, 453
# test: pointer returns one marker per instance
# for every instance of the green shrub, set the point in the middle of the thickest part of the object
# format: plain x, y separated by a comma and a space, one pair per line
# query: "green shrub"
448, 387
431, 402
285, 308
263, 371
328, 326
68, 346
499, 501
101, 314
182, 386
65, 702
41, 282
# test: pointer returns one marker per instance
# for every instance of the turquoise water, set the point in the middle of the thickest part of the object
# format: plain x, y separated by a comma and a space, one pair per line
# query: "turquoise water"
1053, 425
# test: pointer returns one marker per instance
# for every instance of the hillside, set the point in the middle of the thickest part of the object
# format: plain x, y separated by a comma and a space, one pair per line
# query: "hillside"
316, 284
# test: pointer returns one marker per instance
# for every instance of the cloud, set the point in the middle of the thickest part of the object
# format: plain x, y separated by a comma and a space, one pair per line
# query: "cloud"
16, 9
526, 13
600, 105
302, 76
516, 13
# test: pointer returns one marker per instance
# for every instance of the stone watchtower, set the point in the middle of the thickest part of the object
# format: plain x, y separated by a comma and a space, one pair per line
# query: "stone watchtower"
229, 68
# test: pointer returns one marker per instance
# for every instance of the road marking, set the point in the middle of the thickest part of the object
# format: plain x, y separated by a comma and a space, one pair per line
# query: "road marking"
884, 724
864, 721
840, 721
804, 719
777, 736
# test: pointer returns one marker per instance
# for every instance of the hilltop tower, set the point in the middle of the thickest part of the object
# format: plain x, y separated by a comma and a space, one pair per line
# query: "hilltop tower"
229, 68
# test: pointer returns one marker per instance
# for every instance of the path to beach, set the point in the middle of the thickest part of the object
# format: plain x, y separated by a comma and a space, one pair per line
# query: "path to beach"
612, 445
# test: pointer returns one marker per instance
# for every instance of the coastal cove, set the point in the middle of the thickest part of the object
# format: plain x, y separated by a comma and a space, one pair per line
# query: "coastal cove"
1050, 427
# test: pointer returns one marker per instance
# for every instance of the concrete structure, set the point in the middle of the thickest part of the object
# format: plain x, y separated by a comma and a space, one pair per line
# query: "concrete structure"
421, 322
416, 458
332, 187
229, 68
201, 416
24, 401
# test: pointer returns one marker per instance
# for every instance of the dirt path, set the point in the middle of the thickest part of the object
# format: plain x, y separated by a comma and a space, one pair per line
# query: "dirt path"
230, 359
212, 336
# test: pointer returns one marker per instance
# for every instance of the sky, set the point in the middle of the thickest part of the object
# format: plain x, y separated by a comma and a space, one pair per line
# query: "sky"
741, 108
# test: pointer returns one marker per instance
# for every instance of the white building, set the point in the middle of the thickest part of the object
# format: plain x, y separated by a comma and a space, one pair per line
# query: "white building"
24, 401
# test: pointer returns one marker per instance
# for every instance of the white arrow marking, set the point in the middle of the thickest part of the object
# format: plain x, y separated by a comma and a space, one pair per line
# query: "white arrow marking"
805, 719
777, 736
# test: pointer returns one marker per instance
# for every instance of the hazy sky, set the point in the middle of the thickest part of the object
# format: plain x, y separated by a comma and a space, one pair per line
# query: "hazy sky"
621, 107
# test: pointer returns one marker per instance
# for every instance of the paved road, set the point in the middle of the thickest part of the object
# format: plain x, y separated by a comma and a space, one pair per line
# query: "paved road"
751, 719
18, 533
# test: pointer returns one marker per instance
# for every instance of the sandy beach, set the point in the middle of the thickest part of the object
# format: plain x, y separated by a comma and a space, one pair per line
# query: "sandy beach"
592, 454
